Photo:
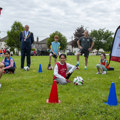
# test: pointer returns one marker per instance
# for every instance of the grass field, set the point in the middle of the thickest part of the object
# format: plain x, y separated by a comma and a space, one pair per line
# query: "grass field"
23, 94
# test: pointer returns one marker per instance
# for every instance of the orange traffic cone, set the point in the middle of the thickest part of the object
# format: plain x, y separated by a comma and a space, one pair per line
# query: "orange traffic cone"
54, 94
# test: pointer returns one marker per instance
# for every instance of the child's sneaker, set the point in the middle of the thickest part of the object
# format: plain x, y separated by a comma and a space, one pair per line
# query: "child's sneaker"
98, 73
104, 72
68, 81
77, 66
49, 66
85, 68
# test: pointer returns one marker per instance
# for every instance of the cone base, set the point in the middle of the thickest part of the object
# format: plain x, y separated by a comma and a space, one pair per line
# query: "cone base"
110, 105
39, 72
47, 101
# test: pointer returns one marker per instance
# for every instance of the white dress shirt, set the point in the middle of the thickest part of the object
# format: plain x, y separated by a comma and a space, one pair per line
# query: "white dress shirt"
26, 33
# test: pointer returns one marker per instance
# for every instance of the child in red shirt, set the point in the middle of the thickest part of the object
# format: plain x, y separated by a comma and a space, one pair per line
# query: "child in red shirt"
63, 70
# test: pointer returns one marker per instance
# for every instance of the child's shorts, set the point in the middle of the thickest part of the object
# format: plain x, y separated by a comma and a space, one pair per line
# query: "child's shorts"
55, 56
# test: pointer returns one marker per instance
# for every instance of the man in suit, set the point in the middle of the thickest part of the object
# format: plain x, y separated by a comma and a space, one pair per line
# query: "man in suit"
26, 39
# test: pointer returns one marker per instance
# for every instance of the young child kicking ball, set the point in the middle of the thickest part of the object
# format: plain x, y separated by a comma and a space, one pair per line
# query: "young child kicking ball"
63, 70
103, 65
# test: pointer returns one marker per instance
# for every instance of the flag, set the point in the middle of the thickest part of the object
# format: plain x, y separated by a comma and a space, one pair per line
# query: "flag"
115, 52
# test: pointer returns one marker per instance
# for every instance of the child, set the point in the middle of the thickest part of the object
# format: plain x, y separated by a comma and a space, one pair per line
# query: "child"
63, 70
55, 48
9, 64
1, 71
103, 65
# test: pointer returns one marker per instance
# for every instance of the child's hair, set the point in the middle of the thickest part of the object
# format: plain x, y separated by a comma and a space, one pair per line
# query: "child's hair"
56, 36
7, 52
103, 55
62, 55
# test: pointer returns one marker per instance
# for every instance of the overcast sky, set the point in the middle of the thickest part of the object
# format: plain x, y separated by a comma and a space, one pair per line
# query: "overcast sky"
47, 16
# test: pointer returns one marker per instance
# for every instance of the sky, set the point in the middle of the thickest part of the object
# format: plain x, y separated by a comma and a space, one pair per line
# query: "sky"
47, 16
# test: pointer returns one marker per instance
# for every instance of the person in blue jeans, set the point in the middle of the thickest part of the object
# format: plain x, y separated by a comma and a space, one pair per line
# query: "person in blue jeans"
55, 48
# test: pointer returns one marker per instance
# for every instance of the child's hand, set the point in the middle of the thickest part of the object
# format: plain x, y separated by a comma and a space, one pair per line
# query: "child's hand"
67, 74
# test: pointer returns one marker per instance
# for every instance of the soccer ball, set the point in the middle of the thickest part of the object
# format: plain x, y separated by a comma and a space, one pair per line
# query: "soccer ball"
78, 81
26, 68
50, 68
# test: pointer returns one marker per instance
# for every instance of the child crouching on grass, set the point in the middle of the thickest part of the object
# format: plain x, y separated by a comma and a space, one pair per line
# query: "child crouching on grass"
103, 65
63, 70
1, 71
9, 64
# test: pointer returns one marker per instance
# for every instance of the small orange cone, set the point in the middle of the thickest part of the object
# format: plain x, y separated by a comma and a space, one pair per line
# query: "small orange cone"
54, 94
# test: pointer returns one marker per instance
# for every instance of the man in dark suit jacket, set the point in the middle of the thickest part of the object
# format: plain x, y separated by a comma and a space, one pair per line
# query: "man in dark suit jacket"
26, 39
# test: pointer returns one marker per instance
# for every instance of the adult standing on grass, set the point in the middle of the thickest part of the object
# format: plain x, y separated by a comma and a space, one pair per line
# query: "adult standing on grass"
26, 39
85, 44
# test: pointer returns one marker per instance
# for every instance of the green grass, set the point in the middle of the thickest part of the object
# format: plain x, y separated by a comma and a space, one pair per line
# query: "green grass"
23, 94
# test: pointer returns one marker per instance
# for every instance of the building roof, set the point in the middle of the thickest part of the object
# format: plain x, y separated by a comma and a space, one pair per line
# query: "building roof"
3, 39
70, 43
44, 41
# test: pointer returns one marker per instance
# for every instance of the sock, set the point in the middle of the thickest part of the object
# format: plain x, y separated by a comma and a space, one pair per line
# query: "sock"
77, 62
85, 66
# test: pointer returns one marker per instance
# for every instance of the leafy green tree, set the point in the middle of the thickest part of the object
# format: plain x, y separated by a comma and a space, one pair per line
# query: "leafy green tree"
78, 33
102, 38
108, 40
62, 40
13, 35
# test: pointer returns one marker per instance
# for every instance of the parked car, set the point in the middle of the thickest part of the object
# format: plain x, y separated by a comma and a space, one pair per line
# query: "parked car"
70, 53
32, 53
98, 53
42, 53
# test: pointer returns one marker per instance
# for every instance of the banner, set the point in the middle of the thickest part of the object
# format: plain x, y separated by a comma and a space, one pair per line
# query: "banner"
115, 52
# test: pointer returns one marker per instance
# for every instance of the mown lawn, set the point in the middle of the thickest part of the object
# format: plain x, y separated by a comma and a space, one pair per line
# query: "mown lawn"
23, 94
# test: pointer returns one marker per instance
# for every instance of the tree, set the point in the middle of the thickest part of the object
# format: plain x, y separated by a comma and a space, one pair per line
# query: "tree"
62, 40
78, 33
13, 35
108, 40
102, 39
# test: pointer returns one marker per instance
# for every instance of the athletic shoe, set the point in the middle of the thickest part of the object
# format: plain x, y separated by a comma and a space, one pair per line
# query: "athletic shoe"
85, 68
77, 66
68, 81
104, 72
49, 66
98, 73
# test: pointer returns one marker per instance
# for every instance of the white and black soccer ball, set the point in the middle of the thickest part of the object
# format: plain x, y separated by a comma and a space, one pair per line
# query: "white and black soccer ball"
50, 68
26, 68
78, 81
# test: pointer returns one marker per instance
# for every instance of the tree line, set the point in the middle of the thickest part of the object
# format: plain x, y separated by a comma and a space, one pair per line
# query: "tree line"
102, 38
